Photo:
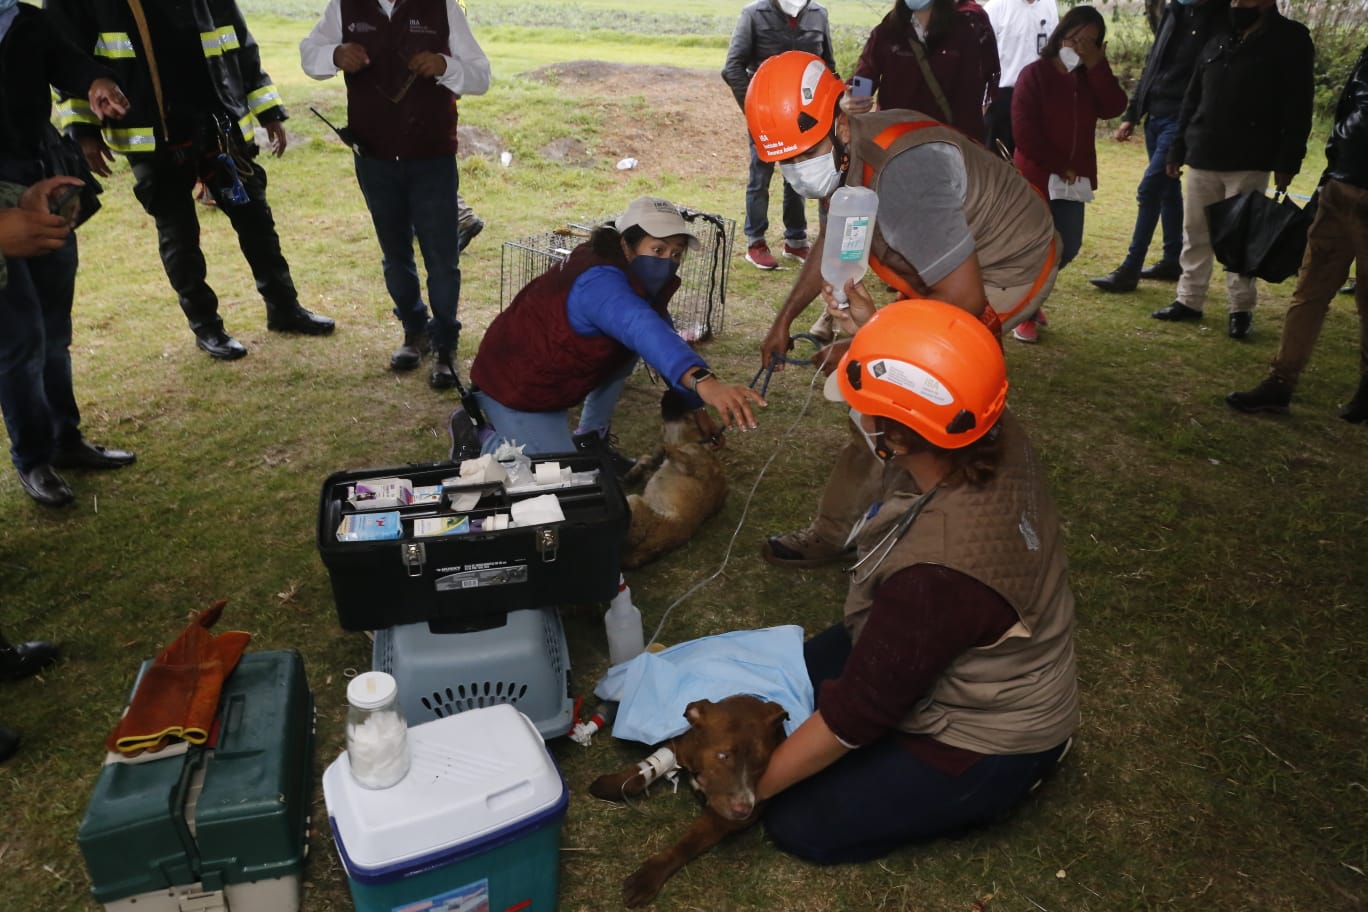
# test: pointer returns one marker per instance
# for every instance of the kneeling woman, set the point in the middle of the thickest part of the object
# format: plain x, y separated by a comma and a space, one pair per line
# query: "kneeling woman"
574, 334
950, 690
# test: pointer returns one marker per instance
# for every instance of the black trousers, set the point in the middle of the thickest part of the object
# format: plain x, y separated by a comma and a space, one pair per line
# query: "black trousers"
164, 184
998, 123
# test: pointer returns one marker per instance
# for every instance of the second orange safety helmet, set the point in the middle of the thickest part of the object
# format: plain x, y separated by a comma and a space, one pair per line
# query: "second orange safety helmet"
791, 104
929, 366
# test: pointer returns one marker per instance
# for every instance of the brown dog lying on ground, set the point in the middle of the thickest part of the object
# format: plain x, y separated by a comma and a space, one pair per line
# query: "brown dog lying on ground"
725, 750
690, 485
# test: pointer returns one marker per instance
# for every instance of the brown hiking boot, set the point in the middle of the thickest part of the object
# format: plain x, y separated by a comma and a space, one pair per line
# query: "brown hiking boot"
804, 548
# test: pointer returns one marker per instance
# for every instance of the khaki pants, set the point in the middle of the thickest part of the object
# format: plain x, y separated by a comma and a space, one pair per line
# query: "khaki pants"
1338, 236
1201, 189
1003, 298
853, 485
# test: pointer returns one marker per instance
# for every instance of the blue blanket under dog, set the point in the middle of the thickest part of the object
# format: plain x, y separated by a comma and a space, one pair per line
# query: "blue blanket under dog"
654, 689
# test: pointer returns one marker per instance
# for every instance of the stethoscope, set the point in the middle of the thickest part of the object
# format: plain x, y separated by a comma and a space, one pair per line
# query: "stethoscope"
884, 547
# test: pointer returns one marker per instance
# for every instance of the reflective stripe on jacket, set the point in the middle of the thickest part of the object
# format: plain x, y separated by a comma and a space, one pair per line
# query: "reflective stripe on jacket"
108, 29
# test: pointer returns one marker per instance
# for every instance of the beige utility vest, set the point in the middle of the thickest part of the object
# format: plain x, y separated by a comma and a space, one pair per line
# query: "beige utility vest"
1011, 223
1020, 694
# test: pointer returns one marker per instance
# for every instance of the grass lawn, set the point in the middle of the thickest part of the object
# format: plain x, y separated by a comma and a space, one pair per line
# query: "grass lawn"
1216, 558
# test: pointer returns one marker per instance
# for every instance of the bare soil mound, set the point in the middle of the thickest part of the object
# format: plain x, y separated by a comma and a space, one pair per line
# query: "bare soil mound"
667, 118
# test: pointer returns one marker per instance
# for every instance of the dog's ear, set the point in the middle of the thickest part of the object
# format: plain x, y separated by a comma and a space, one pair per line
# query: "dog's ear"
775, 714
694, 711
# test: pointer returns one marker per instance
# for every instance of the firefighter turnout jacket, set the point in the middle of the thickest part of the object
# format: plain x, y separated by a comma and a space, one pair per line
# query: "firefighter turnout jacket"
223, 70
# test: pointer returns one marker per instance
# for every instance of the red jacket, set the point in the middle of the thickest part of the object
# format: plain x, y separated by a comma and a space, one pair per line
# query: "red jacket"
1054, 119
964, 61
532, 360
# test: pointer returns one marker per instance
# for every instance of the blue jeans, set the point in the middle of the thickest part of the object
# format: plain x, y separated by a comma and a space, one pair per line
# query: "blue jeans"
35, 356
1159, 196
880, 797
549, 432
408, 198
1068, 221
757, 204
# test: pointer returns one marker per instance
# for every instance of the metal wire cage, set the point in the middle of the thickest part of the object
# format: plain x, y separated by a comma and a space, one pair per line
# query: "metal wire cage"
699, 307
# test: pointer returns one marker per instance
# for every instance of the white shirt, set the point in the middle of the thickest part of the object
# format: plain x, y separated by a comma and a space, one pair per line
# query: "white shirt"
467, 67
1022, 27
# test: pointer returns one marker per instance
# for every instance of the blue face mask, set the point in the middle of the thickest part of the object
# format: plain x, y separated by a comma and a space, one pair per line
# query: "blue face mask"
1187, 2
651, 271
917, 5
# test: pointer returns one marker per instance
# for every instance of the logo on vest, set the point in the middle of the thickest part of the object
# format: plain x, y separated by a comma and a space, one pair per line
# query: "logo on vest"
360, 27
418, 28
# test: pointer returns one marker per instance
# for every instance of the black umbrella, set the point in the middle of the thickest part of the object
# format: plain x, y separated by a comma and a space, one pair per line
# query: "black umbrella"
1257, 235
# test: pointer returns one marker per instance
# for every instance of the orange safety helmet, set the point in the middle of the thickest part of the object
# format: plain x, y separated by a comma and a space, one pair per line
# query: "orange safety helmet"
928, 365
791, 104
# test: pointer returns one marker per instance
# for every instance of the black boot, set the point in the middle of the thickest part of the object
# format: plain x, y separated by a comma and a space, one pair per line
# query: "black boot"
411, 351
1356, 412
298, 320
1272, 395
1118, 280
443, 374
9, 743
25, 660
601, 444
1163, 271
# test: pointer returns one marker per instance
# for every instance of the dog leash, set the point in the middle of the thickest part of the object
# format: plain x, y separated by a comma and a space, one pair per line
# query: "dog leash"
777, 359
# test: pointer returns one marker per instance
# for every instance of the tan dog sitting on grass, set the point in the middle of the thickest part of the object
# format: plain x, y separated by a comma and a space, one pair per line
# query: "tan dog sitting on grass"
689, 486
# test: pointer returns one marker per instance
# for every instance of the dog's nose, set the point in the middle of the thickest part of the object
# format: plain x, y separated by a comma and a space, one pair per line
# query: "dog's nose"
741, 808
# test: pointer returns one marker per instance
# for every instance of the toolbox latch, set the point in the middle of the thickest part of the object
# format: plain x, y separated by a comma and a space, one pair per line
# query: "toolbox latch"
414, 555
548, 543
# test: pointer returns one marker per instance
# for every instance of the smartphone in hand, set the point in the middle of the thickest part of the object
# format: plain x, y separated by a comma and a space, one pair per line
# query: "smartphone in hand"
66, 203
861, 87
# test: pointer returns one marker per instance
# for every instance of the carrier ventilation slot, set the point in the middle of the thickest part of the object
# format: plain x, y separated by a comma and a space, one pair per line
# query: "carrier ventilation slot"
450, 701
551, 630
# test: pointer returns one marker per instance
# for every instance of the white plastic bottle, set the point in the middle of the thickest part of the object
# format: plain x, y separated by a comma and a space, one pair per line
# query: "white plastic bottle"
847, 236
623, 623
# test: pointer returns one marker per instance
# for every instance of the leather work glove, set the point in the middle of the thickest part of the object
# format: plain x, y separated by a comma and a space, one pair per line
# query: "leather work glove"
178, 694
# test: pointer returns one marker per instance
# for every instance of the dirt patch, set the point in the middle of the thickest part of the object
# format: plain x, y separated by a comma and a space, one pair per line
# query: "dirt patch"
477, 141
568, 150
670, 119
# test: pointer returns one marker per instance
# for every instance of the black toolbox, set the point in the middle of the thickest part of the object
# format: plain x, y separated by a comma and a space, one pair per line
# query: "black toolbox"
454, 581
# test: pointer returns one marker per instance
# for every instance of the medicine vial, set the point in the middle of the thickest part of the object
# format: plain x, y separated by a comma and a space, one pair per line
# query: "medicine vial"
377, 735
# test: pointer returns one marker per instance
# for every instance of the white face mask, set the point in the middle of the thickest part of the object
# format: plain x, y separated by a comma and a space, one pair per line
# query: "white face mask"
792, 7
814, 179
869, 436
1069, 57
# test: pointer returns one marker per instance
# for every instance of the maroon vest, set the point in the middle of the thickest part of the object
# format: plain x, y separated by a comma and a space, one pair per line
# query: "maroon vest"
422, 123
530, 358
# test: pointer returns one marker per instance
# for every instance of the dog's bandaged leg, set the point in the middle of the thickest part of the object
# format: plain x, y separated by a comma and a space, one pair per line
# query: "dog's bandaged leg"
658, 764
